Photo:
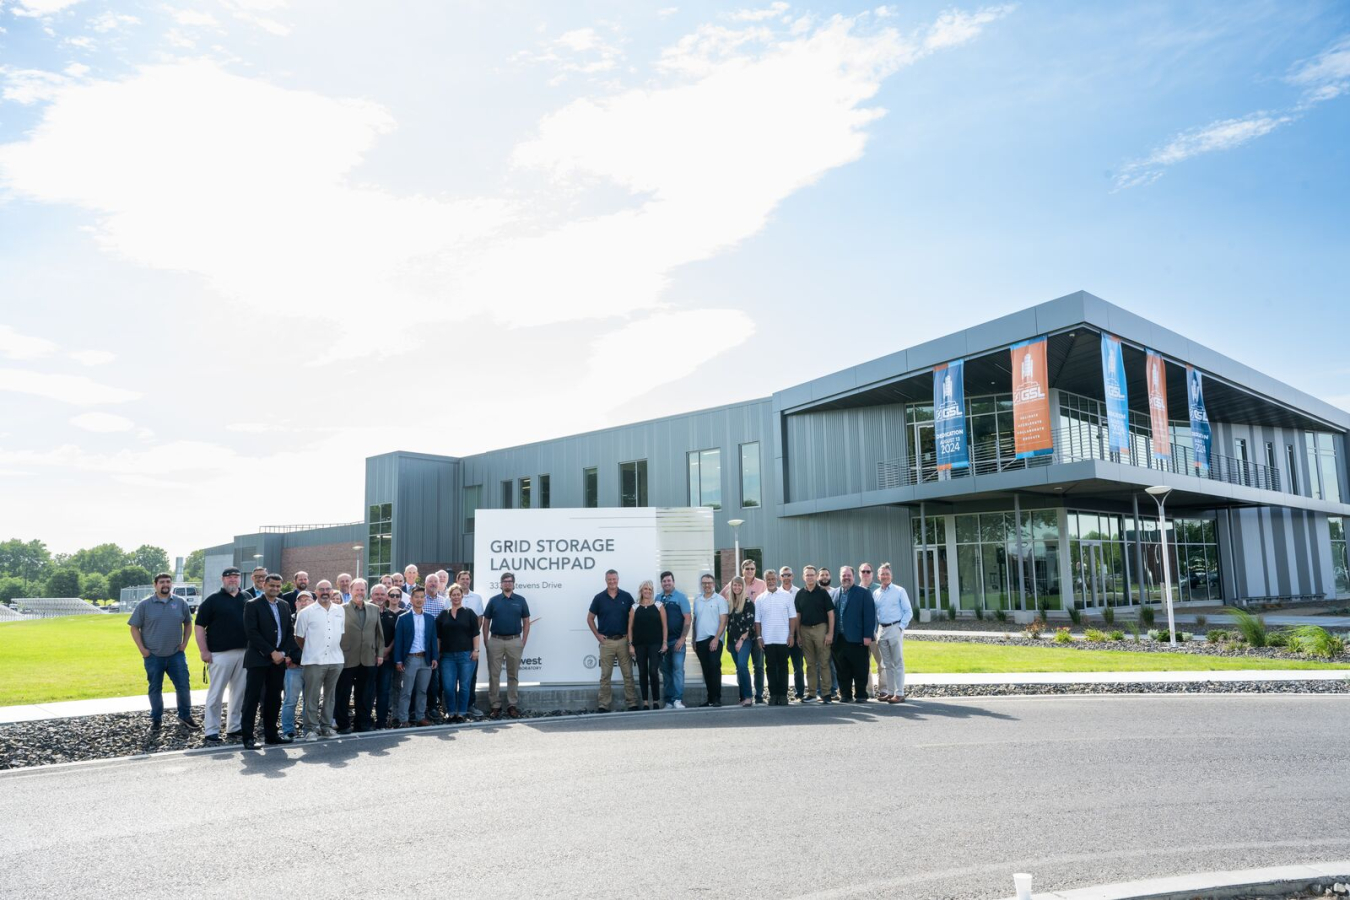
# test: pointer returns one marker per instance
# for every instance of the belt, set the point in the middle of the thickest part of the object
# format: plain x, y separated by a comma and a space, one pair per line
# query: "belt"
615, 637
417, 654
889, 624
506, 637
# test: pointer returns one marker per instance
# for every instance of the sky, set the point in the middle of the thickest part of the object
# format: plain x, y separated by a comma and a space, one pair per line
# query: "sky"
245, 244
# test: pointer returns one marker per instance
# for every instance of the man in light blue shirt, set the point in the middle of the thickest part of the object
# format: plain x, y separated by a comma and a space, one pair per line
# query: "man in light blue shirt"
710, 623
893, 616
678, 622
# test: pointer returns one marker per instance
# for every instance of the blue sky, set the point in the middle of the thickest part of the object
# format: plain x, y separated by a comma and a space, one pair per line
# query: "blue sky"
245, 244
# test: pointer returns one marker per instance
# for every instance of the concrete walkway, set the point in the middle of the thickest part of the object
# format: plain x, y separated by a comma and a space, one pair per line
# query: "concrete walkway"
74, 708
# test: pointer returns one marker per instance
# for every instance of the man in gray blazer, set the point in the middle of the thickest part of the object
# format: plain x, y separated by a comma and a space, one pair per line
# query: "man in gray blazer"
362, 651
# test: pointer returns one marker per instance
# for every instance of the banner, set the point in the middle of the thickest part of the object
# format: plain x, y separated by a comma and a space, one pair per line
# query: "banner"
1032, 435
1155, 371
1195, 396
949, 416
1117, 396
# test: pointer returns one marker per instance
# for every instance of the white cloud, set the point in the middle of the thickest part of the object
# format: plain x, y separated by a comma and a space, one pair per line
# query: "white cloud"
1326, 75
700, 335
29, 86
251, 11
40, 7
102, 423
582, 51
1222, 135
92, 357
74, 389
195, 18
111, 21
666, 12
84, 43
759, 15
14, 345
954, 27
76, 70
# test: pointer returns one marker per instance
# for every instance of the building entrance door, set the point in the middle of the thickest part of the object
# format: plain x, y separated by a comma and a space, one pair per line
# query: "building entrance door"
932, 584
1091, 584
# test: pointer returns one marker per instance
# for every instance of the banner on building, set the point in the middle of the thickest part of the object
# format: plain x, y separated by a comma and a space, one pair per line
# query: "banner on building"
1155, 371
1032, 434
1195, 399
559, 558
1117, 396
949, 416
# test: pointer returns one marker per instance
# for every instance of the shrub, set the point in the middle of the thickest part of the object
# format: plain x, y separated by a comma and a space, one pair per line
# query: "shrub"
1200, 621
1000, 615
1252, 628
979, 613
1154, 634
1146, 617
1109, 616
951, 614
1117, 635
1314, 640
1062, 636
1134, 630
1216, 636
1183, 637
1075, 616
1279, 639
1095, 636
1034, 628
1044, 607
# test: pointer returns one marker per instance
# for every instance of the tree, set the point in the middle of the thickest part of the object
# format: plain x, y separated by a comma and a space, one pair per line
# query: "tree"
194, 569
102, 559
11, 587
149, 557
94, 587
64, 582
24, 560
127, 576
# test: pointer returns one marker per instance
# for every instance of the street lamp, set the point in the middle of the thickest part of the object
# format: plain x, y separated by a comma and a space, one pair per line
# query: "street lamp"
1159, 494
736, 540
358, 548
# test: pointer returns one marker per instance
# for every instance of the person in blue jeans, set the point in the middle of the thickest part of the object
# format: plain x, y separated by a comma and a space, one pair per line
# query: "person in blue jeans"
741, 637
678, 622
295, 679
161, 626
457, 636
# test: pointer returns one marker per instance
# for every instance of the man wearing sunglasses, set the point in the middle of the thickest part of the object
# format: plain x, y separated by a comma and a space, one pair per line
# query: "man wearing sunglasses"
221, 642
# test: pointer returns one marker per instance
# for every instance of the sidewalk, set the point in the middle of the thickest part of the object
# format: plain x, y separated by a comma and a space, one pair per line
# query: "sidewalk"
74, 708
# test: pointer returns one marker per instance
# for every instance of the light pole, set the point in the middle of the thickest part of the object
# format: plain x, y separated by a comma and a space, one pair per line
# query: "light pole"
1159, 495
736, 540
358, 548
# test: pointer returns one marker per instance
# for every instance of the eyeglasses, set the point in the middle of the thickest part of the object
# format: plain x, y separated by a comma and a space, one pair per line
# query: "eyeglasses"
865, 571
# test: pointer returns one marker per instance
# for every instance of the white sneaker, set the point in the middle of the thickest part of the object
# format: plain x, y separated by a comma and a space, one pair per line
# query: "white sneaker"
310, 737
679, 704
327, 733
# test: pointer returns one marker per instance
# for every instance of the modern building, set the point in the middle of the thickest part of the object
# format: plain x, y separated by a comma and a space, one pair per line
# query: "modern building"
843, 468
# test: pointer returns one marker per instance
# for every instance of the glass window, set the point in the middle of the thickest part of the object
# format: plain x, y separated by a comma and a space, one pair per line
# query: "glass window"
544, 499
705, 478
750, 495
379, 543
1340, 561
1291, 468
508, 491
1314, 481
526, 486
473, 496
633, 483
590, 488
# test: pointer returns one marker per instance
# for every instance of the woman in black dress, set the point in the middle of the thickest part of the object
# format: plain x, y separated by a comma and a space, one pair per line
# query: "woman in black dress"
647, 641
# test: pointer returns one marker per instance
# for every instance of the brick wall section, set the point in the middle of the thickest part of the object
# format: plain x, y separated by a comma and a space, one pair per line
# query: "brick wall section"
324, 561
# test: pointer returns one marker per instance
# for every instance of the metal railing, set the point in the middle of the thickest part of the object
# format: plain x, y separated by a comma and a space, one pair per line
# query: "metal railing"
287, 529
1079, 443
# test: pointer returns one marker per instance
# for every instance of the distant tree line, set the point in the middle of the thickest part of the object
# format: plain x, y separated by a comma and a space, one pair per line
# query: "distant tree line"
29, 569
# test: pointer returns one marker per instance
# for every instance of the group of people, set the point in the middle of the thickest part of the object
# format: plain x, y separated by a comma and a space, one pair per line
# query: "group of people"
398, 653
828, 635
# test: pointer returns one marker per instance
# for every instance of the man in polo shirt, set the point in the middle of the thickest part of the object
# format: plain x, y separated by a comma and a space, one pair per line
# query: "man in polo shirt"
893, 615
678, 622
608, 621
710, 623
221, 643
318, 631
753, 588
301, 582
271, 638
776, 628
473, 601
416, 657
506, 626
259, 580
161, 625
815, 632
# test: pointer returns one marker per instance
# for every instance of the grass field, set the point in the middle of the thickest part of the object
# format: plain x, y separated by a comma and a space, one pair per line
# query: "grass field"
92, 656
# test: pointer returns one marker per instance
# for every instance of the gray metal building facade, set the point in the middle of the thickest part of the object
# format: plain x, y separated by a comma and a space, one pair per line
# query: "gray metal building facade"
840, 469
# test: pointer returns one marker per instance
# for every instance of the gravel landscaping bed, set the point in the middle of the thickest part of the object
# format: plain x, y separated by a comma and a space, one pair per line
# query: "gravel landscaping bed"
49, 741
1144, 645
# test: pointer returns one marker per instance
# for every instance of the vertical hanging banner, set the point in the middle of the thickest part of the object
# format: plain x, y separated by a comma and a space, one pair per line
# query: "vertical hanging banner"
1117, 396
949, 416
1195, 399
1032, 435
1156, 373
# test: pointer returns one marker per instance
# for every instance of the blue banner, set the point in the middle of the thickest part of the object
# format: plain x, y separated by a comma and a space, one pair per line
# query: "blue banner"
949, 416
1117, 396
1195, 399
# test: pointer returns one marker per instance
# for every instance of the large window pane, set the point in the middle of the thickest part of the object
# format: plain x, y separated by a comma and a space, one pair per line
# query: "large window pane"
750, 496
544, 499
710, 477
633, 483
472, 497
526, 489
590, 488
508, 491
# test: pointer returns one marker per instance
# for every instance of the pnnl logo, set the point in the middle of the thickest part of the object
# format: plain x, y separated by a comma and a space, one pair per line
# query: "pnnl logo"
591, 661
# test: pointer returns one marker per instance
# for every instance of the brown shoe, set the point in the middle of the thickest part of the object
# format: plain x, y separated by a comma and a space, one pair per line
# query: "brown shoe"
496, 713
883, 696
423, 723
513, 712
895, 699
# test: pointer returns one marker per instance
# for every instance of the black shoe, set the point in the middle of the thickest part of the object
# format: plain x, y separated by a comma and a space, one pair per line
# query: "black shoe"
156, 724
717, 703
213, 739
601, 710
189, 724
826, 700
346, 730
251, 744
759, 700
280, 739
239, 733
634, 709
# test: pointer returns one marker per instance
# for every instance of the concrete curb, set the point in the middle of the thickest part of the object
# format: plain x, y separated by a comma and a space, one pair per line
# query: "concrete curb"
1213, 885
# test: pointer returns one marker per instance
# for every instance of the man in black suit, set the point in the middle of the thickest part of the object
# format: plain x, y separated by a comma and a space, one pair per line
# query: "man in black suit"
301, 582
271, 636
855, 624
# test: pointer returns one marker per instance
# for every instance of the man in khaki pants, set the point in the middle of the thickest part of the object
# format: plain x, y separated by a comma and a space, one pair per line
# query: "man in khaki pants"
815, 613
608, 621
506, 626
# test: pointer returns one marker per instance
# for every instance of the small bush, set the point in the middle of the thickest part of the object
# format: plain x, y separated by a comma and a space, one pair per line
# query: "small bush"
1154, 634
1216, 636
1183, 637
1146, 617
1095, 636
1001, 615
1109, 616
1062, 636
1314, 640
1252, 628
1075, 616
1134, 630
979, 613
1200, 621
1117, 635
951, 614
1034, 628
1278, 639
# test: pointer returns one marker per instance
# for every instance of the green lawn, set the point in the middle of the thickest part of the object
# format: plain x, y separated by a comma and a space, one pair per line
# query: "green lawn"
92, 656
75, 658
933, 657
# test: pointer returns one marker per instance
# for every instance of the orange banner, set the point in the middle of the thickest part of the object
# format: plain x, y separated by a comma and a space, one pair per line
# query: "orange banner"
1155, 370
1032, 434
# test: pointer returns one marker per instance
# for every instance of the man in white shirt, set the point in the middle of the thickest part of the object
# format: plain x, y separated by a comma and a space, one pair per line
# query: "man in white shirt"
874, 683
893, 615
473, 601
710, 623
776, 629
318, 631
